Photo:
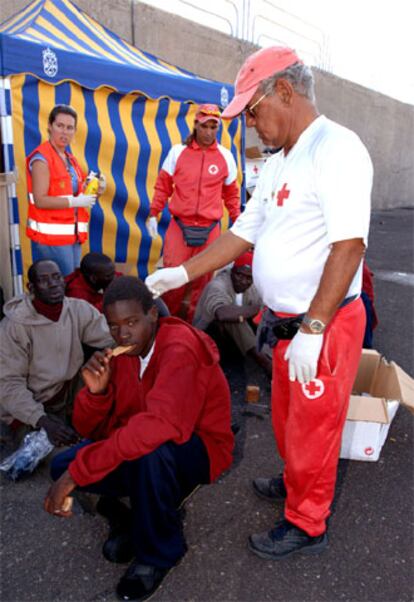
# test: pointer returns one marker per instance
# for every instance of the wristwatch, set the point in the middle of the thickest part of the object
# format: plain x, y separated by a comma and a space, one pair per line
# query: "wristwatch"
315, 326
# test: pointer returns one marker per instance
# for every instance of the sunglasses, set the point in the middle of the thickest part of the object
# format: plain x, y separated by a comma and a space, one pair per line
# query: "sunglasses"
250, 110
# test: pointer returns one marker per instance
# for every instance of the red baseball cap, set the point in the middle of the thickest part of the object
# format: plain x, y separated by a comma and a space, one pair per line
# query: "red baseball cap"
207, 112
244, 260
257, 67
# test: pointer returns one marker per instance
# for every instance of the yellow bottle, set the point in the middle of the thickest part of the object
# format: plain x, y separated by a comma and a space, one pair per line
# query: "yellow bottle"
92, 183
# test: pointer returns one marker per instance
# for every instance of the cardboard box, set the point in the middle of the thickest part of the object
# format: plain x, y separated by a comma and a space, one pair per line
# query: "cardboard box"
254, 164
378, 390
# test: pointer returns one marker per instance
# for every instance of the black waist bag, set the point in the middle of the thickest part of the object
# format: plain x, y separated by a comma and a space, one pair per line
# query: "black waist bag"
271, 329
195, 236
286, 328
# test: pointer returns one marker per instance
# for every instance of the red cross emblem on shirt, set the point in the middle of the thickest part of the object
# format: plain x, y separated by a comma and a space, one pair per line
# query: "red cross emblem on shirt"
255, 169
313, 389
282, 194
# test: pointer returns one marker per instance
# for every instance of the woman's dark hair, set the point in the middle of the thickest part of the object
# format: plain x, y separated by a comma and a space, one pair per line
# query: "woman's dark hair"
190, 138
65, 109
128, 288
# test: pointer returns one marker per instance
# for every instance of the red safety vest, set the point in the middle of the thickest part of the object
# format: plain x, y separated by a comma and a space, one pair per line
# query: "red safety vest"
56, 226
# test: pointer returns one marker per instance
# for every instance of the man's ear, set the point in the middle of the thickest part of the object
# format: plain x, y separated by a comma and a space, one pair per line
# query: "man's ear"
153, 313
30, 287
284, 90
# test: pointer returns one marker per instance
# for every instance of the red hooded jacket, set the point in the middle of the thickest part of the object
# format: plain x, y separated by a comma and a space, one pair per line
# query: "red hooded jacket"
183, 391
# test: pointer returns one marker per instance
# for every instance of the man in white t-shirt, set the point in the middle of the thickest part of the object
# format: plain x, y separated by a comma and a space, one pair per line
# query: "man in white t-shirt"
308, 220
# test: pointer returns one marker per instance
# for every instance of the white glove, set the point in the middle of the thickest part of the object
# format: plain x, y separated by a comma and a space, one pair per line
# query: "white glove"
82, 200
164, 280
303, 355
102, 184
152, 227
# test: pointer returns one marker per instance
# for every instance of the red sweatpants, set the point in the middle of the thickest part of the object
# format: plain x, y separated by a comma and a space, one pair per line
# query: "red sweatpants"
175, 253
308, 419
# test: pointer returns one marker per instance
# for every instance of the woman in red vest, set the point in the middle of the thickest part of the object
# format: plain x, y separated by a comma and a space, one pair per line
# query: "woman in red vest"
58, 219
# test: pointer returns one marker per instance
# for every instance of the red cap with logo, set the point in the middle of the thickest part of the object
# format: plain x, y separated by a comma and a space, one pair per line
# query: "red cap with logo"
207, 112
257, 67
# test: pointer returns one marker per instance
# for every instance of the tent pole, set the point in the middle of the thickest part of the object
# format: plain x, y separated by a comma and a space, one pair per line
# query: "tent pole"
133, 22
10, 184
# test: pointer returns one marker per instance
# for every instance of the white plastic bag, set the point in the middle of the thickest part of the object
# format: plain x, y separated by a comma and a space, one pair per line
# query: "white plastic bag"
34, 447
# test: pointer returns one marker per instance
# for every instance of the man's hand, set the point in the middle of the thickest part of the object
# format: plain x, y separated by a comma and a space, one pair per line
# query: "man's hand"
96, 373
164, 280
57, 431
303, 355
152, 227
57, 493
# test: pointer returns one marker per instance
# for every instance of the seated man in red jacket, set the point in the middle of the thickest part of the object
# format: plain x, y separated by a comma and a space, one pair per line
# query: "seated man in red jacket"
157, 419
88, 282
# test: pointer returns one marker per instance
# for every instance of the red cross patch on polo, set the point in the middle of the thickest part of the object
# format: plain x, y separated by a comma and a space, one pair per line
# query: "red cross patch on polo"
282, 194
313, 389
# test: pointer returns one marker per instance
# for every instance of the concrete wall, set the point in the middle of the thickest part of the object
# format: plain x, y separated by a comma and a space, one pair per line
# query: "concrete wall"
385, 125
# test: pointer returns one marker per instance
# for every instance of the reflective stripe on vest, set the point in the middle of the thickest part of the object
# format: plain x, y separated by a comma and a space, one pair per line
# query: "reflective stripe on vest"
58, 229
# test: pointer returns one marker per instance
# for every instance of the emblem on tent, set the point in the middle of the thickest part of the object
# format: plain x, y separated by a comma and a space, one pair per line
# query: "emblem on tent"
224, 97
50, 62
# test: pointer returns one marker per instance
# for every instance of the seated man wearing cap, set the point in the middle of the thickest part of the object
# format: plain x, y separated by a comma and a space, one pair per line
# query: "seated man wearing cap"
230, 301
196, 177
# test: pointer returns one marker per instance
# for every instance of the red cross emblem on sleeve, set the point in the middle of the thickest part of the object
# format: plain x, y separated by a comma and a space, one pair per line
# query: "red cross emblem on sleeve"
282, 194
313, 389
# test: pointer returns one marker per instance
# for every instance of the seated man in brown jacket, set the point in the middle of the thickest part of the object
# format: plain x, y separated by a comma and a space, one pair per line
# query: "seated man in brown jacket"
41, 354
227, 307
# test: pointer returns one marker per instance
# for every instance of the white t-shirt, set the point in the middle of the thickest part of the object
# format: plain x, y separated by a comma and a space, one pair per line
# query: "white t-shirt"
303, 202
144, 361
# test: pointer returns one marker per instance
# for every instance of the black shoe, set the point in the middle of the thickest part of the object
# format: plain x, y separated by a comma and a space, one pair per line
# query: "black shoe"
140, 581
270, 489
118, 546
286, 539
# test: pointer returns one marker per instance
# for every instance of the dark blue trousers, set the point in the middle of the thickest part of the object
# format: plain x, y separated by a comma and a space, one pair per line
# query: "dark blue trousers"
156, 484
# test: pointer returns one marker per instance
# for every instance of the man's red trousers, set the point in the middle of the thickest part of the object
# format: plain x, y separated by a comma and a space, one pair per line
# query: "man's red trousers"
182, 301
308, 419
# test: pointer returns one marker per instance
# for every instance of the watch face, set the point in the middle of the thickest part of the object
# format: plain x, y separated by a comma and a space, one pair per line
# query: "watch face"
316, 326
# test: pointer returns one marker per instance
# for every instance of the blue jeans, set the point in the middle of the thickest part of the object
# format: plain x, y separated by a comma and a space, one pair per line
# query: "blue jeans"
66, 256
156, 484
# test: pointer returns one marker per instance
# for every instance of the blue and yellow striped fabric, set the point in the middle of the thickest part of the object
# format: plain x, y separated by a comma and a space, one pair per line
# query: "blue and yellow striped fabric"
126, 137
56, 41
132, 107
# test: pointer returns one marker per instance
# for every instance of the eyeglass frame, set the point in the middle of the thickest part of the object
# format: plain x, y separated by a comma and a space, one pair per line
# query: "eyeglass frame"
249, 110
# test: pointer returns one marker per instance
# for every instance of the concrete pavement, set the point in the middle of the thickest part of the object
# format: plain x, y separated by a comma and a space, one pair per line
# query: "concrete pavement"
371, 531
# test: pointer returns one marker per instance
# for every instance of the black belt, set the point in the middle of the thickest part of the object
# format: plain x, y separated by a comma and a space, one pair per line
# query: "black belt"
348, 300
275, 327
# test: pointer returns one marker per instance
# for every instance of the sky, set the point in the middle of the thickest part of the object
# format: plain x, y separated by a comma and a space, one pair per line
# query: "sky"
370, 42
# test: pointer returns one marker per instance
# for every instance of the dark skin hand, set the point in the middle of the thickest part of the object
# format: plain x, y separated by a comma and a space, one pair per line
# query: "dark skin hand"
232, 313
96, 373
58, 432
57, 493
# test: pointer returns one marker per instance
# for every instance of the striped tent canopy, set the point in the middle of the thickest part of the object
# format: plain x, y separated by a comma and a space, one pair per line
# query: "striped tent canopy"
132, 107
56, 41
